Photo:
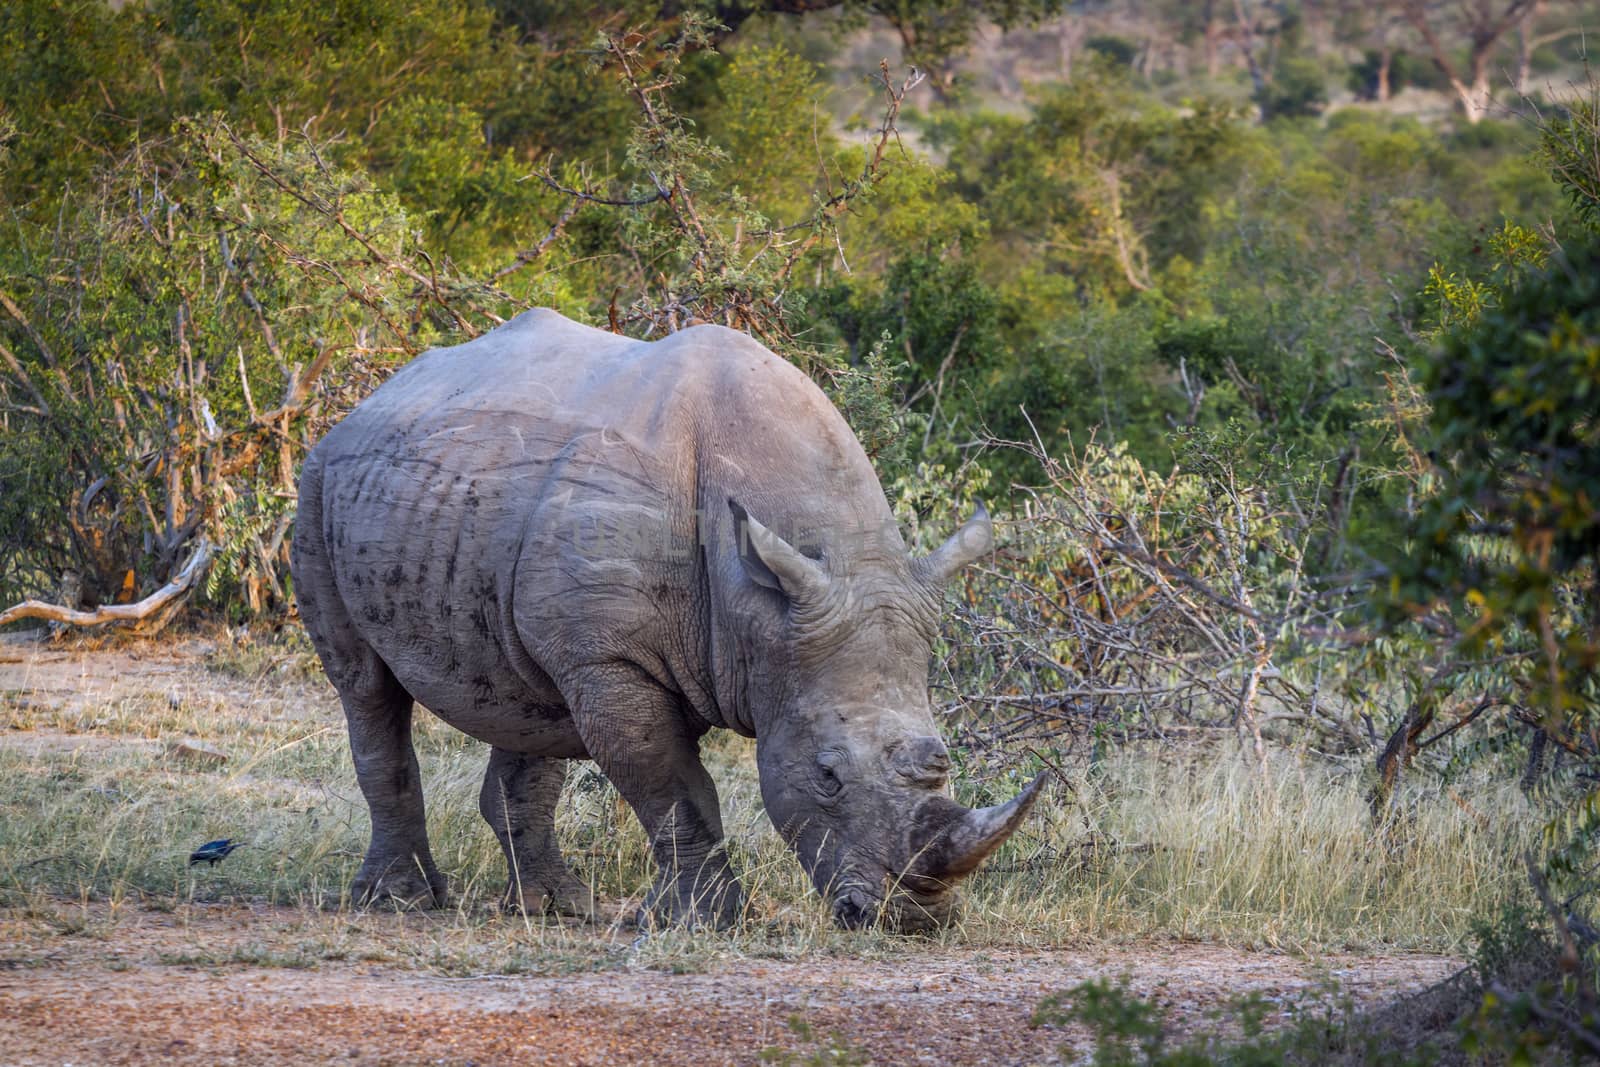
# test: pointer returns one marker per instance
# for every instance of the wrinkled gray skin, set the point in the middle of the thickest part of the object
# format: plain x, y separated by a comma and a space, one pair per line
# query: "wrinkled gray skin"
542, 536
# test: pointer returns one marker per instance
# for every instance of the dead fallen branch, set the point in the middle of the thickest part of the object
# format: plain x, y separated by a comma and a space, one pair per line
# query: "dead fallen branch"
156, 606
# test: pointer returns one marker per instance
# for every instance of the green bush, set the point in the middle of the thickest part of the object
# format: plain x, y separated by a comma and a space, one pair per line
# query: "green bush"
1296, 89
1117, 50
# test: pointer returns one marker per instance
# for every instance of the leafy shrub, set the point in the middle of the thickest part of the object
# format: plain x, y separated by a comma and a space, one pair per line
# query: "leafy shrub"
1117, 50
1128, 1031
180, 337
1296, 89
1406, 70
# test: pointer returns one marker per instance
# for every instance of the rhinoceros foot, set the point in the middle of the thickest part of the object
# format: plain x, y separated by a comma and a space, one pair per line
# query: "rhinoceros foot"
399, 882
565, 896
710, 897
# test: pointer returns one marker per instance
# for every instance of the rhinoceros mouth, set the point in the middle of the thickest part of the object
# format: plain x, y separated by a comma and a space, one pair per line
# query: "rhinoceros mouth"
901, 910
901, 905
856, 909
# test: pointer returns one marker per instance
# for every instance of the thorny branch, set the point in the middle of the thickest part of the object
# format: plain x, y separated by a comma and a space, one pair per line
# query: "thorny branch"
333, 210
1112, 608
839, 202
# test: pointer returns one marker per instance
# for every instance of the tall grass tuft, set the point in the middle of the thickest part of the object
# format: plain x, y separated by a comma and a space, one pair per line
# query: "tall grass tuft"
1211, 847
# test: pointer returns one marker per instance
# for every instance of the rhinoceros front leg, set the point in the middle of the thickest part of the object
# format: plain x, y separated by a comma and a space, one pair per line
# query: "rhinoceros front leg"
398, 864
519, 801
636, 733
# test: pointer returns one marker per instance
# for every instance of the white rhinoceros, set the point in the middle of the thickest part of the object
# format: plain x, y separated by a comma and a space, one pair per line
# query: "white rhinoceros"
573, 545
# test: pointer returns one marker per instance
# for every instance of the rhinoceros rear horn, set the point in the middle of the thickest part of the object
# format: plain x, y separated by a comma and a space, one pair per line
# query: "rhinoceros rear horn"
771, 561
972, 541
952, 841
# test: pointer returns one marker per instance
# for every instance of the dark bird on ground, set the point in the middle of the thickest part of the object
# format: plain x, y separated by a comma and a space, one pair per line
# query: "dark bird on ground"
214, 852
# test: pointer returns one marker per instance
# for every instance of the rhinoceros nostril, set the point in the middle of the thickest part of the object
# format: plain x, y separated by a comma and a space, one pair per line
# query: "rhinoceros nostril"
923, 759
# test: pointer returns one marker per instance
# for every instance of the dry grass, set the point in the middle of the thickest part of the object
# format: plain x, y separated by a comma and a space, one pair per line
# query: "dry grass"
93, 808
1206, 848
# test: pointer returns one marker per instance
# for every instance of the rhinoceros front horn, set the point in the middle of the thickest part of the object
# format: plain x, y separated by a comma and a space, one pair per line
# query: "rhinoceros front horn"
972, 541
950, 841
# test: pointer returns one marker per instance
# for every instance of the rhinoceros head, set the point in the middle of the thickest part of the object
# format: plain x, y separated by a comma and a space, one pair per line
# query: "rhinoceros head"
853, 771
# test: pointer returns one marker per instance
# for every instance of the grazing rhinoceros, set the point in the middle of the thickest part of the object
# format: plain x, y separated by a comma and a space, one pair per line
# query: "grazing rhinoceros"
569, 544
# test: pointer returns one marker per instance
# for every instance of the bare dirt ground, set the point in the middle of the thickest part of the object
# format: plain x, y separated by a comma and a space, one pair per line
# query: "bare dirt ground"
126, 997
150, 981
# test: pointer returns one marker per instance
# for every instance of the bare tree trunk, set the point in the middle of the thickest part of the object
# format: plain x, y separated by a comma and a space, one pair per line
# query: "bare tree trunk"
1146, 63
1477, 98
1129, 251
1526, 43
1247, 44
1069, 38
1213, 37
1398, 753
1383, 37
1529, 42
1524, 59
1474, 100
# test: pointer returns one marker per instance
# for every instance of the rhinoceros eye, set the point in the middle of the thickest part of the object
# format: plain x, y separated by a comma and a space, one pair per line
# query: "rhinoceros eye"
826, 778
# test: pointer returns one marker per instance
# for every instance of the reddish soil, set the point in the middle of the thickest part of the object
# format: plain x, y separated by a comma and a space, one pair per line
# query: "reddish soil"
115, 997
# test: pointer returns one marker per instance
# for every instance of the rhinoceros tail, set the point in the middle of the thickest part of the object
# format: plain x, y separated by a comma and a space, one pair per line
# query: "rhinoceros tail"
352, 665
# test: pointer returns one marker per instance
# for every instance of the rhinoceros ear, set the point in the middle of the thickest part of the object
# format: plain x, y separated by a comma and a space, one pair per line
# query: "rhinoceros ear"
771, 561
974, 540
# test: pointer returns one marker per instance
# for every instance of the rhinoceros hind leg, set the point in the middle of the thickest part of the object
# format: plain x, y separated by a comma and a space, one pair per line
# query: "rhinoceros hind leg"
634, 731
518, 801
398, 866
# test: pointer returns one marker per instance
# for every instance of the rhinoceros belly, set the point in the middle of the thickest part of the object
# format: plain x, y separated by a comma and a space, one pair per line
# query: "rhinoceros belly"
425, 559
